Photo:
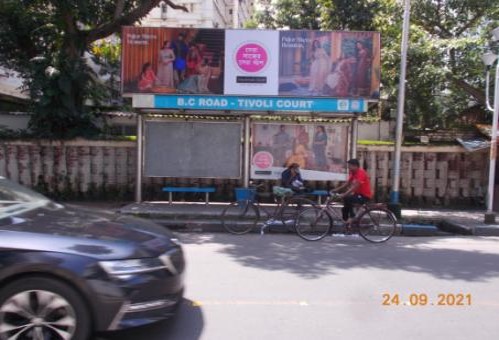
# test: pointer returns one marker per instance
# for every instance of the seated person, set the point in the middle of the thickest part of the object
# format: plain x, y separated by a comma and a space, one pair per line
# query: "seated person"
291, 178
147, 78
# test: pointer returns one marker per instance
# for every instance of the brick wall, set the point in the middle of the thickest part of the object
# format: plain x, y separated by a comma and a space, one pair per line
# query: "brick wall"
433, 175
106, 169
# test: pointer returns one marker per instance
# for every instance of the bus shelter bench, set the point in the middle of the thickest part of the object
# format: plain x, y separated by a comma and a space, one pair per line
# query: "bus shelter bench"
319, 194
205, 190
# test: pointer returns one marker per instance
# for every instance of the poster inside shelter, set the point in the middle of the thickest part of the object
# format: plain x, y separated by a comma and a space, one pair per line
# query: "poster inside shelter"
319, 149
172, 60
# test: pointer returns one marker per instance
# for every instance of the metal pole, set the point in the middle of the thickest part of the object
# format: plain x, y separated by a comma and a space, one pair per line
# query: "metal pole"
493, 148
395, 196
138, 180
246, 162
355, 134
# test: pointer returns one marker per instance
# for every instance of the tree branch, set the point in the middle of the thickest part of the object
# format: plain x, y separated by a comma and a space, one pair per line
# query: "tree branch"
138, 13
471, 22
477, 94
118, 11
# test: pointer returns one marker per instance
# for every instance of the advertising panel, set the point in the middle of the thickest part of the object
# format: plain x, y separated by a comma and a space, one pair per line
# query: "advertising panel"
319, 149
330, 64
172, 60
251, 63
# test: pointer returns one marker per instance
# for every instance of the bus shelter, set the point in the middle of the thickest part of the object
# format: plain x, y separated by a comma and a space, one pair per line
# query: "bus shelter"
243, 79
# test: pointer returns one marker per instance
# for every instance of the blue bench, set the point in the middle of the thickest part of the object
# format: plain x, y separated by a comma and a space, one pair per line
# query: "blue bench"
205, 190
319, 194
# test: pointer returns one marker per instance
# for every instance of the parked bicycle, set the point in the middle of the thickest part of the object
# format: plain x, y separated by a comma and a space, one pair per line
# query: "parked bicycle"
373, 221
245, 214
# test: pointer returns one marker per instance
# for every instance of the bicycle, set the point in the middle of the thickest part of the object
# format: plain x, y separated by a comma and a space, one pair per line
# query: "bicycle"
242, 216
373, 221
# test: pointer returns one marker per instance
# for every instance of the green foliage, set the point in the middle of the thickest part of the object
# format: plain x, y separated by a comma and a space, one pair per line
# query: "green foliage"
349, 15
303, 14
46, 42
444, 71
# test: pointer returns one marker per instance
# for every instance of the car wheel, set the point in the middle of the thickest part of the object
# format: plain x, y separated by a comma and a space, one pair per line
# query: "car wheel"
40, 308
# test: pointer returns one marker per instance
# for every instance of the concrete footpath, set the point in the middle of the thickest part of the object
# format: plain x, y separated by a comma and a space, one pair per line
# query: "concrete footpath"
200, 217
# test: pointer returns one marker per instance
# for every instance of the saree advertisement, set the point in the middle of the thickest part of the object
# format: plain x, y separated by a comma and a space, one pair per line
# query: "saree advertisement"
251, 63
319, 149
172, 60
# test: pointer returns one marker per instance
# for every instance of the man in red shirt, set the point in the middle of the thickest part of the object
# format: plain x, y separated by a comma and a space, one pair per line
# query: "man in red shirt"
358, 190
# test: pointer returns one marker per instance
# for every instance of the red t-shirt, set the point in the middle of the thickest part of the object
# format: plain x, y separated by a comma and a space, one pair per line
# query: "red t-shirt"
360, 176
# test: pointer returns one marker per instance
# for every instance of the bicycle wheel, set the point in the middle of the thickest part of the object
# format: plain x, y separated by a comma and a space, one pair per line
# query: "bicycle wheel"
291, 208
240, 217
377, 224
313, 223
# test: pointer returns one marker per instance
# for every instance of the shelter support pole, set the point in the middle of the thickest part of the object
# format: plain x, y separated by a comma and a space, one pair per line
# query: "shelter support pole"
353, 139
246, 145
140, 157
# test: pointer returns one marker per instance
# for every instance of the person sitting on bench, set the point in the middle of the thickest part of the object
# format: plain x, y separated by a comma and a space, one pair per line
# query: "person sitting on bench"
291, 178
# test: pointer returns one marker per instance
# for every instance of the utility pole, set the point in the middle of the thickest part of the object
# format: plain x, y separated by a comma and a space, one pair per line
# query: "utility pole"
395, 194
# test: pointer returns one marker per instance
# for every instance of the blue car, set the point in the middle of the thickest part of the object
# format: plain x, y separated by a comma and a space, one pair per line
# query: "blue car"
67, 272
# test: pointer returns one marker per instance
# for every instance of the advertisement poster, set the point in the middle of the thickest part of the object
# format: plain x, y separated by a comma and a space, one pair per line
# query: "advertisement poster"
172, 60
319, 149
299, 64
251, 62
330, 64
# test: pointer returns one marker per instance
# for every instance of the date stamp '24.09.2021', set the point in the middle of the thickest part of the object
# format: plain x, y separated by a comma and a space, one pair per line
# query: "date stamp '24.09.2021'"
422, 299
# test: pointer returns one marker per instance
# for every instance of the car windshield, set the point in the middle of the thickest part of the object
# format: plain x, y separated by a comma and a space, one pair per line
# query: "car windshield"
15, 199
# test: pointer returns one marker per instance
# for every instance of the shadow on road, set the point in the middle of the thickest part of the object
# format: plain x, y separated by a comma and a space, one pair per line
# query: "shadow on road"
187, 324
447, 258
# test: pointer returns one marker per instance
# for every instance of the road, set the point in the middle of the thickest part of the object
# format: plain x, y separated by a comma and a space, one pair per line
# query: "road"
280, 287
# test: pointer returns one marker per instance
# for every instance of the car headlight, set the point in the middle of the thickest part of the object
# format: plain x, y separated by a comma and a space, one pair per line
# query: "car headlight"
130, 267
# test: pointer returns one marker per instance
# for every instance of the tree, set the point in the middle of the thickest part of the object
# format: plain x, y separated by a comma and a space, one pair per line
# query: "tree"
45, 41
444, 71
302, 14
448, 40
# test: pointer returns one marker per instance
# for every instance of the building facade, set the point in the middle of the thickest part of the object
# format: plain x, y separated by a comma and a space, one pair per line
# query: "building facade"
202, 14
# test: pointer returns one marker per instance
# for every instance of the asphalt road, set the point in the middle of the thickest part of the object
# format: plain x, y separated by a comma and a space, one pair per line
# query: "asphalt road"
280, 287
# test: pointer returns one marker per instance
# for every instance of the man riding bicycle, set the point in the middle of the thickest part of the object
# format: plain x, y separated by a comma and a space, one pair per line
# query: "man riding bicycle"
358, 190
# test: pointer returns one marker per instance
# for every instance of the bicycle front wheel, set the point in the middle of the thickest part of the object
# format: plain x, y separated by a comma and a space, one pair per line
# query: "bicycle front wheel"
291, 208
240, 217
377, 225
313, 224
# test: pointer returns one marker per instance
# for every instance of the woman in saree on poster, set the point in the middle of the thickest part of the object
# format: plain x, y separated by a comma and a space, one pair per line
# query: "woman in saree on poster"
147, 78
319, 148
281, 143
339, 81
319, 68
362, 79
165, 65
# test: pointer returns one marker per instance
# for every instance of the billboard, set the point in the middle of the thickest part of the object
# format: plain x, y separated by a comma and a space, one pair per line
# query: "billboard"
319, 149
172, 60
330, 64
298, 64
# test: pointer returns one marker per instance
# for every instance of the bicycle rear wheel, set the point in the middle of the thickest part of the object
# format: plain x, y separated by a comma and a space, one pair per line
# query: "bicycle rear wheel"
377, 225
313, 224
291, 208
240, 217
